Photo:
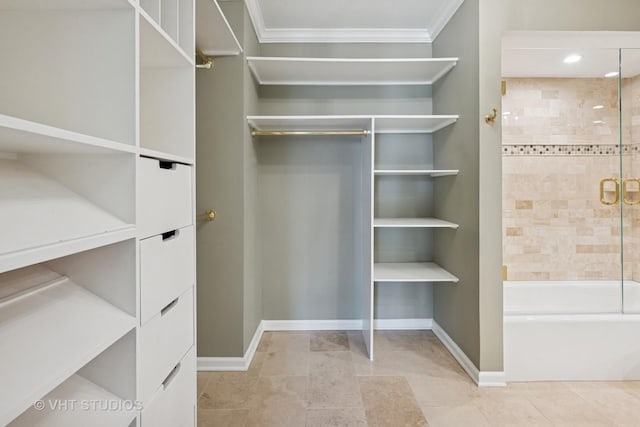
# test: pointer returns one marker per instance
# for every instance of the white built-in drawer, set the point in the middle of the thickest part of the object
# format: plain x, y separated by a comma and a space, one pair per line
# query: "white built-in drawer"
164, 197
173, 405
165, 339
166, 270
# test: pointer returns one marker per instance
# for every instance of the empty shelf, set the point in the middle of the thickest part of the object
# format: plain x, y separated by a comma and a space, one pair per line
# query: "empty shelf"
349, 71
157, 49
42, 218
411, 272
147, 152
77, 390
413, 223
413, 124
214, 35
24, 136
426, 172
48, 332
309, 123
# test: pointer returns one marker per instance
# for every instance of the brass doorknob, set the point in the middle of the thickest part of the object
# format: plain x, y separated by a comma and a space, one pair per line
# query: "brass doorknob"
208, 215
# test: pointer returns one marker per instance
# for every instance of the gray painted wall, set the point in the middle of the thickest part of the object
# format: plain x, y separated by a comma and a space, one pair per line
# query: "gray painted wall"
456, 198
310, 195
229, 294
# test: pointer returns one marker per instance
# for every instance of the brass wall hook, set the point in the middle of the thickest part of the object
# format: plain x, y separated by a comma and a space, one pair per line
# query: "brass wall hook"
491, 118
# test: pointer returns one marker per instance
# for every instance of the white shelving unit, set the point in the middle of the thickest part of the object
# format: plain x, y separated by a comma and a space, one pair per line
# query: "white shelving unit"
50, 328
116, 95
214, 35
359, 72
349, 71
83, 393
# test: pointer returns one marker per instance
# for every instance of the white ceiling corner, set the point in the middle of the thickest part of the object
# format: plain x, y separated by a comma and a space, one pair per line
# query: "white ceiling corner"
356, 21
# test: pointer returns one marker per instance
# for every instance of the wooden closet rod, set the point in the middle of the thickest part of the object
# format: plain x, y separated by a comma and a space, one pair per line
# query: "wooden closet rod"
309, 132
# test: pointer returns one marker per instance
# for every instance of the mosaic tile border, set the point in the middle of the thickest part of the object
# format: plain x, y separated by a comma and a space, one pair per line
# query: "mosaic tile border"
568, 150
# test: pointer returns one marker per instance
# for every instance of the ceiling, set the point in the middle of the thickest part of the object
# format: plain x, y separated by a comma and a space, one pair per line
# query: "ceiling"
350, 21
542, 54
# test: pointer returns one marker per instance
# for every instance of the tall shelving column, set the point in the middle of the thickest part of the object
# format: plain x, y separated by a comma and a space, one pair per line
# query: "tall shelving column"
165, 215
358, 72
67, 212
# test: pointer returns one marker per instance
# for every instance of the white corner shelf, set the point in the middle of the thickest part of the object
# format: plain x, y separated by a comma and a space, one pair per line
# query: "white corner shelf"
412, 223
48, 332
42, 218
416, 172
214, 36
411, 272
309, 123
349, 71
157, 48
24, 136
413, 123
77, 390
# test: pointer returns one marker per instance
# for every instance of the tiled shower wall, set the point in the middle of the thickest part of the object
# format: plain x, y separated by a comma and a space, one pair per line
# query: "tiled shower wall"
556, 149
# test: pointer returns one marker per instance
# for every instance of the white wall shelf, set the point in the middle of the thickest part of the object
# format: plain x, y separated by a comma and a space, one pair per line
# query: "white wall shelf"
157, 48
78, 391
48, 332
309, 123
412, 223
410, 172
214, 36
39, 213
349, 71
383, 124
413, 124
23, 136
411, 272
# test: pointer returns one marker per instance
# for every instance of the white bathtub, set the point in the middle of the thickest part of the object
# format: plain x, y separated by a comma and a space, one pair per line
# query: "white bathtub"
571, 331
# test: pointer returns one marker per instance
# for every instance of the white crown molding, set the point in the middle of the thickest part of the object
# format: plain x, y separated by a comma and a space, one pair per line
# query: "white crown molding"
482, 378
441, 19
351, 35
257, 18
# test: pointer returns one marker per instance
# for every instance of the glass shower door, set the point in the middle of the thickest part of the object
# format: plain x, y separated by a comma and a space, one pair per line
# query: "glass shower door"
630, 177
564, 217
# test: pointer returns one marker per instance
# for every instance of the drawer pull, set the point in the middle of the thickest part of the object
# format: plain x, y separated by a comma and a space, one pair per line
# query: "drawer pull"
169, 306
169, 234
171, 376
163, 164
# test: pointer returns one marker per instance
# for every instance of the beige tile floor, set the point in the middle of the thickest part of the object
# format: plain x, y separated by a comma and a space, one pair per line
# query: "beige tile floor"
315, 379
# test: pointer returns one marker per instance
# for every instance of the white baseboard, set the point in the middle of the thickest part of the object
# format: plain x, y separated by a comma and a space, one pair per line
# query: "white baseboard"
312, 325
403, 324
482, 378
233, 363
345, 325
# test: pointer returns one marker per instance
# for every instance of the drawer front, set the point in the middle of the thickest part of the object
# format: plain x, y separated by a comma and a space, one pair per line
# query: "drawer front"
167, 270
174, 404
164, 340
165, 197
